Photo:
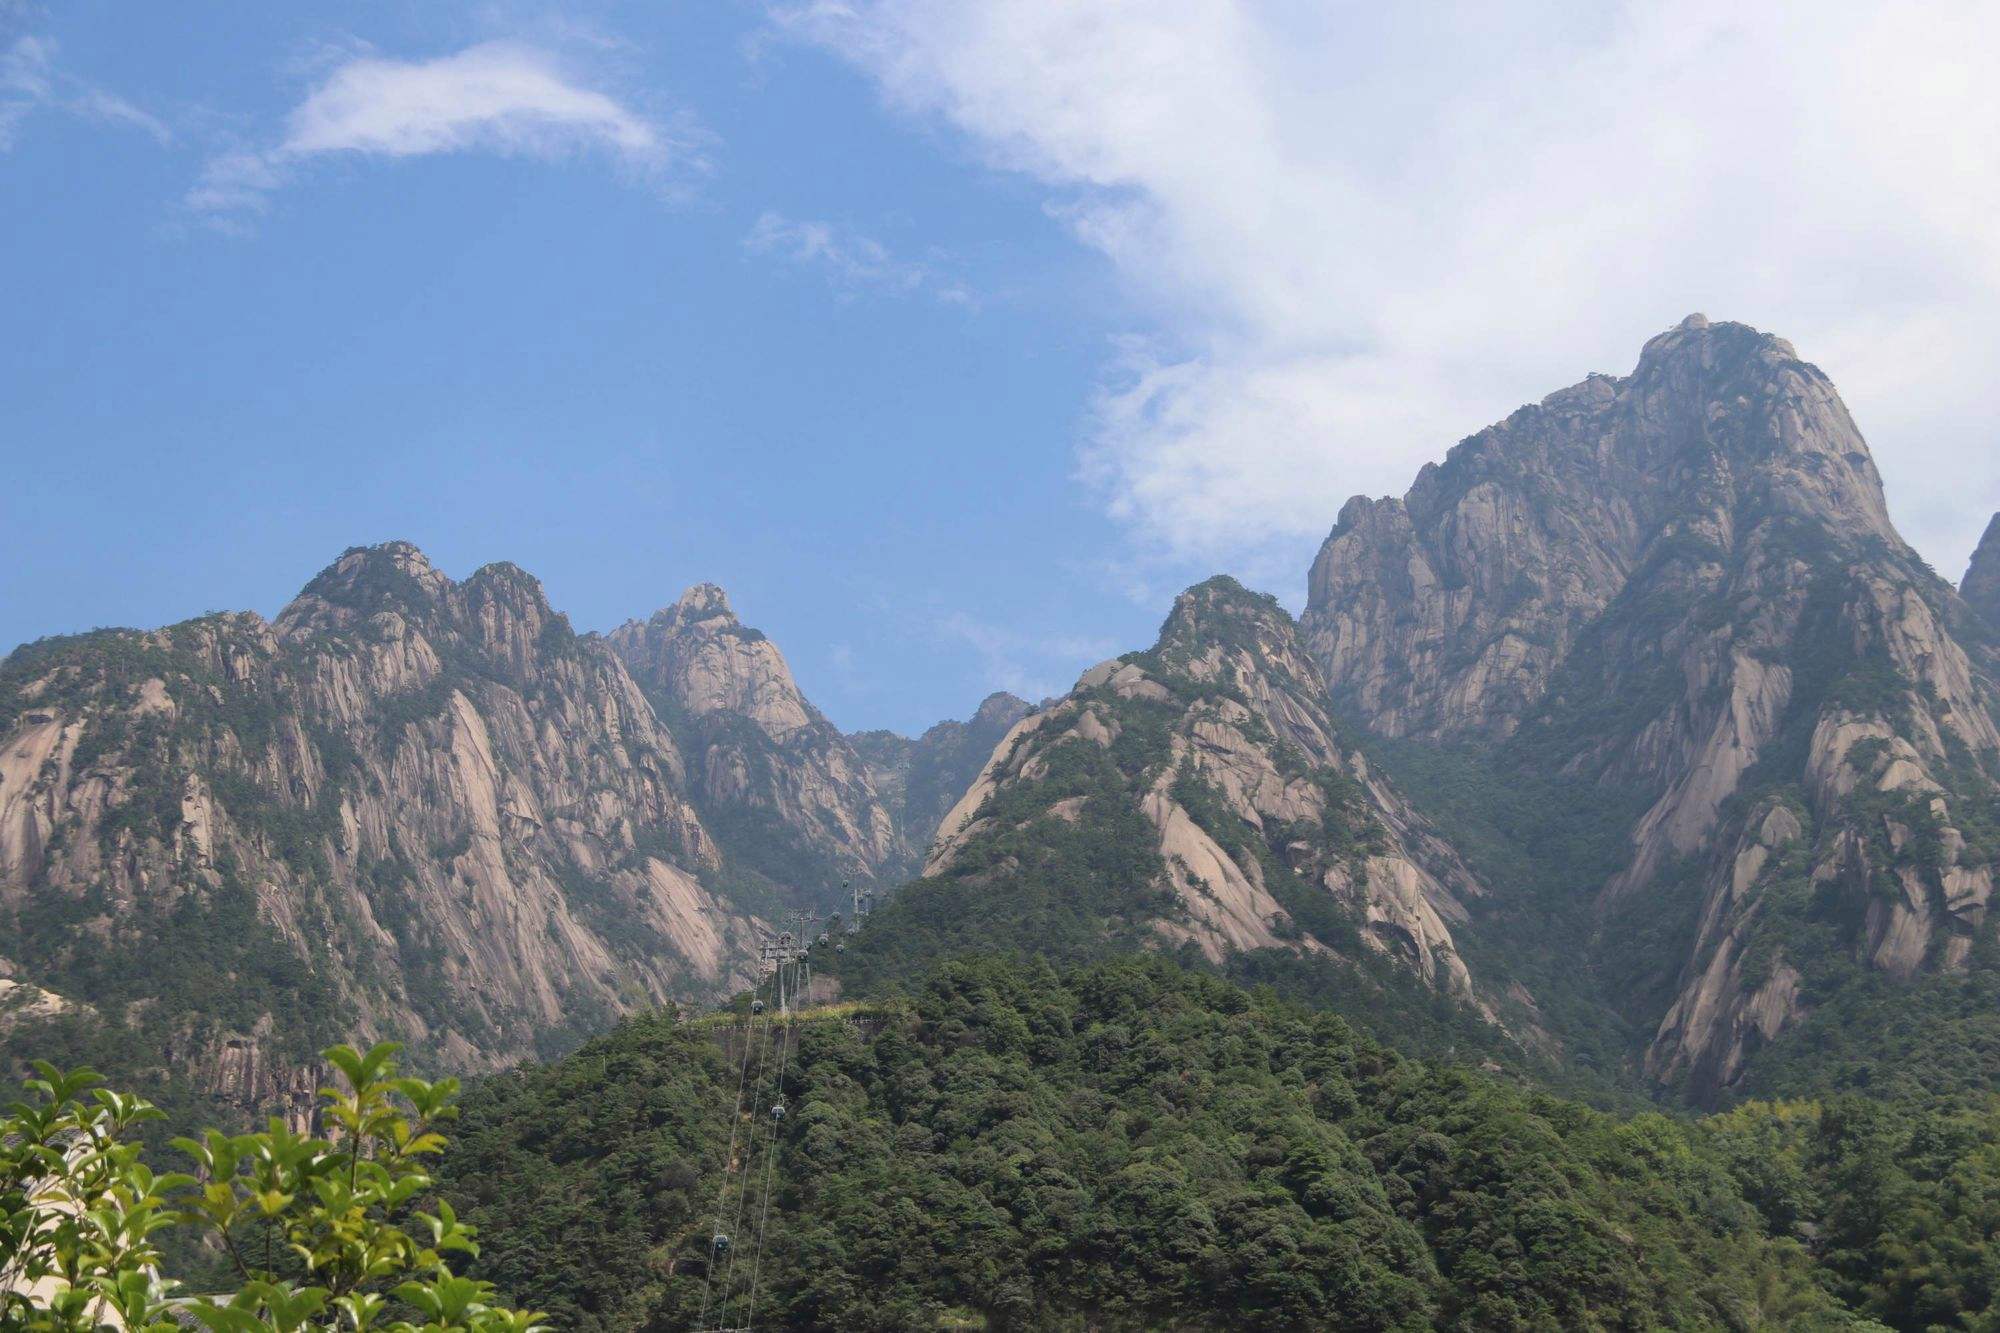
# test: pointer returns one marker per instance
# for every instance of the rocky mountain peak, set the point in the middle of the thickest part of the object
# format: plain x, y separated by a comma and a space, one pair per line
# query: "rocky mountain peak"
702, 602
1725, 405
1684, 586
365, 581
1221, 614
358, 565
1445, 613
1244, 824
406, 556
506, 574
506, 585
1359, 507
422, 808
1220, 596
1712, 342
1002, 708
707, 661
793, 796
1981, 587
499, 614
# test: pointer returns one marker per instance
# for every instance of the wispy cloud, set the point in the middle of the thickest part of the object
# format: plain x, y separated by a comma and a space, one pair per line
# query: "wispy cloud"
31, 81
1033, 666
1365, 231
850, 261
500, 97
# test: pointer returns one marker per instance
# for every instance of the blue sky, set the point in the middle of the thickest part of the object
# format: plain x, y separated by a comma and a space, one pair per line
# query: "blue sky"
950, 339
563, 363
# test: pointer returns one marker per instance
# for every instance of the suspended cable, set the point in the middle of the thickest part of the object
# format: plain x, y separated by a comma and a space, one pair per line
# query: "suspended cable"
735, 1121
786, 955
770, 1157
749, 1148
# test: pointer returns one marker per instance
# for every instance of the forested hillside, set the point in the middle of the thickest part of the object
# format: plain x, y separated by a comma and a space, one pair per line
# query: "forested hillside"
1135, 1145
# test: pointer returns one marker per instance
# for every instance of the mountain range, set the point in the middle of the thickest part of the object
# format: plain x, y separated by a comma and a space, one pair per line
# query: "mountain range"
1631, 745
418, 808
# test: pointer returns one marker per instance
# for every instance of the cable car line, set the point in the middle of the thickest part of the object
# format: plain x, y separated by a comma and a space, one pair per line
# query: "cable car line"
770, 1159
787, 966
720, 1239
749, 1156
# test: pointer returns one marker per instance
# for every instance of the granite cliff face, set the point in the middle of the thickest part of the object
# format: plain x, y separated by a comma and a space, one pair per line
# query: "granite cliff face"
1685, 583
786, 793
1446, 614
407, 807
425, 809
795, 802
1251, 826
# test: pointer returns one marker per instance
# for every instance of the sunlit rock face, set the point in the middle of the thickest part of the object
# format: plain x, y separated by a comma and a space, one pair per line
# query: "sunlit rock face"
921, 779
1446, 613
1258, 815
1685, 582
419, 808
790, 797
406, 807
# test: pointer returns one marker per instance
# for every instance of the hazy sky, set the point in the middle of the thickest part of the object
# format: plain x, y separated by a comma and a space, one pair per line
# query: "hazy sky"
951, 338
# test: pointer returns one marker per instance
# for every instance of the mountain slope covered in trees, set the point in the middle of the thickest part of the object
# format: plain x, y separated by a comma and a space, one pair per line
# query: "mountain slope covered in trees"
1123, 1145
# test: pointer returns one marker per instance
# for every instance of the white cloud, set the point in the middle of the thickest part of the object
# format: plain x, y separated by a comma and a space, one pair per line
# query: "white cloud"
851, 262
30, 81
1366, 231
499, 97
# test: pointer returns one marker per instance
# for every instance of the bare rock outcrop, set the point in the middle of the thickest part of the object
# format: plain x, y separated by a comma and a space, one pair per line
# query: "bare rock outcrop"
416, 807
1685, 584
789, 795
1265, 831
408, 806
1741, 992
708, 662
1447, 613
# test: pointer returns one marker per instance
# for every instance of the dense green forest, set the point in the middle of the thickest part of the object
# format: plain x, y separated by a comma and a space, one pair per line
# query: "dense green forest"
1134, 1144
1139, 1143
